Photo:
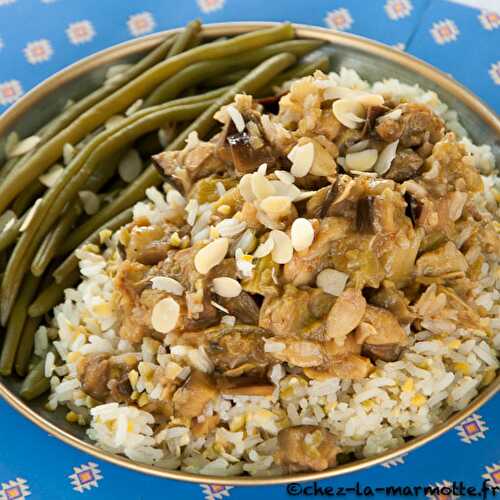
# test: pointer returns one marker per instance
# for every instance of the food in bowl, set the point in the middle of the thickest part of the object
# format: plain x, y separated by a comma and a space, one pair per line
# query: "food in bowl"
311, 284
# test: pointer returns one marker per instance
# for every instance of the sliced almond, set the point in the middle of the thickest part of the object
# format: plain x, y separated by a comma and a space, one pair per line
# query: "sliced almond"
365, 98
332, 281
235, 115
262, 170
395, 114
68, 153
261, 186
50, 177
211, 255
226, 287
283, 189
337, 92
276, 206
284, 176
283, 250
323, 163
385, 158
135, 106
25, 146
359, 146
349, 112
345, 315
113, 121
368, 99
167, 284
245, 188
130, 166
362, 161
302, 158
90, 201
302, 234
269, 222
264, 248
456, 204
165, 315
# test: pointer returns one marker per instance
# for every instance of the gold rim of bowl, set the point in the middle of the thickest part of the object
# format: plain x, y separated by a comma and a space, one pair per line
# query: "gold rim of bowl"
116, 52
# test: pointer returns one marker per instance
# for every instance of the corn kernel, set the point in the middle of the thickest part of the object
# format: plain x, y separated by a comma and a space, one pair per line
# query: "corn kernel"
489, 376
213, 233
103, 309
90, 247
368, 404
237, 423
408, 385
104, 235
143, 400
72, 417
133, 376
462, 368
330, 406
454, 344
175, 240
224, 210
185, 242
418, 400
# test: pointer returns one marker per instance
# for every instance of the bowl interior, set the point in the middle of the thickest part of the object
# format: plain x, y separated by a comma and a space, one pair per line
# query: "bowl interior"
371, 61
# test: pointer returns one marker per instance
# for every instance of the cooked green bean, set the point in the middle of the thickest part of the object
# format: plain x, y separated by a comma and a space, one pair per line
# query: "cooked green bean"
104, 173
35, 384
49, 297
27, 244
257, 78
50, 245
76, 237
71, 181
303, 69
200, 71
9, 236
16, 323
82, 105
7, 167
25, 348
95, 116
149, 144
184, 38
63, 272
74, 111
27, 197
6, 219
226, 79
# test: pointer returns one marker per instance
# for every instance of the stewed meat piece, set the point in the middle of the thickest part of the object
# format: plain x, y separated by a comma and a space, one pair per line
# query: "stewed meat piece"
192, 397
306, 447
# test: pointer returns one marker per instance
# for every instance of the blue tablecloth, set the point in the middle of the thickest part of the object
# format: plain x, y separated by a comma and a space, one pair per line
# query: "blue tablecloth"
39, 37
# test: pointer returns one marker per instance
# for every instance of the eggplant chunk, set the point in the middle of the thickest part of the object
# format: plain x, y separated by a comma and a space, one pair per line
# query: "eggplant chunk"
380, 335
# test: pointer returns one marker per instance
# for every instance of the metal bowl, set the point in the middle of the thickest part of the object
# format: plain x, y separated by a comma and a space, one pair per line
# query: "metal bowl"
373, 61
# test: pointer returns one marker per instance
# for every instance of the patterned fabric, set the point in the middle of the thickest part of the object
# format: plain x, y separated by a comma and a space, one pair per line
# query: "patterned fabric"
39, 37
56, 33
